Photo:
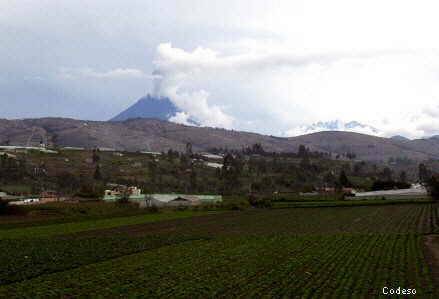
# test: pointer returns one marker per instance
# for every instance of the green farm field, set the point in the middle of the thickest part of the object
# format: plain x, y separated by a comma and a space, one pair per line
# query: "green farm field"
313, 252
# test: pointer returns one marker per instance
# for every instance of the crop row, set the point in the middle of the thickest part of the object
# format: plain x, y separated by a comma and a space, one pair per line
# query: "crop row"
88, 225
307, 266
23, 259
407, 218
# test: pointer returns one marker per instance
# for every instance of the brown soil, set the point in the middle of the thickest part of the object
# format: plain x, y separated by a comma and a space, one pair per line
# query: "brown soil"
203, 225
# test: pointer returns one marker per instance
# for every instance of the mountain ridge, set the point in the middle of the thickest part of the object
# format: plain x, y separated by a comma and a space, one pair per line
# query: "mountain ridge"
160, 135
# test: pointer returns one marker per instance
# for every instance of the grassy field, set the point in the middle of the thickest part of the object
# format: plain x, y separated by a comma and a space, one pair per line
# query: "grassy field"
313, 252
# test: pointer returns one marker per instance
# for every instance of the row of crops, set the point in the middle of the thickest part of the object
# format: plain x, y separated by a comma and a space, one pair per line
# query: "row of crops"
22, 259
309, 266
96, 224
407, 218
422, 218
307, 252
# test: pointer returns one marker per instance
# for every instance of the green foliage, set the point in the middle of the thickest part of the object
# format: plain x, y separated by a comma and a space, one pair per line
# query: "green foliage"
424, 173
433, 187
259, 201
3, 207
27, 258
276, 267
389, 185
343, 180
310, 252
88, 225
97, 175
251, 169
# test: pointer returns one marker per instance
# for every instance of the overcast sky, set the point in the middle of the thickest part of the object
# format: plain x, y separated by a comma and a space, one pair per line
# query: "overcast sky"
273, 67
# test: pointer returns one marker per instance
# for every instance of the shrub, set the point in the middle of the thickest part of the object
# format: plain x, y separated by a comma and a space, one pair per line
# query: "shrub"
389, 185
3, 207
153, 209
433, 187
259, 202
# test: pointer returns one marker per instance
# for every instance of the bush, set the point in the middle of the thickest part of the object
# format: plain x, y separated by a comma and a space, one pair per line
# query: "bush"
6, 209
3, 207
389, 185
260, 202
153, 209
433, 187
124, 199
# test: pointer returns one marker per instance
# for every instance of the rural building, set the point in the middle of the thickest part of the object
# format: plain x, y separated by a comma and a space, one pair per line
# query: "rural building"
106, 149
332, 190
212, 156
73, 148
48, 196
214, 165
117, 191
414, 190
8, 155
161, 200
45, 197
24, 149
27, 201
151, 153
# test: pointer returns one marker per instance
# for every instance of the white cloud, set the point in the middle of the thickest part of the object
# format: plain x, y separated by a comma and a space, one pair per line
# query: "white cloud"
277, 91
257, 65
118, 73
173, 67
181, 118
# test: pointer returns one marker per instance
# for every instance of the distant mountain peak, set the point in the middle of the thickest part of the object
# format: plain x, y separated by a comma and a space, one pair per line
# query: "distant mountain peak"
149, 107
400, 138
338, 125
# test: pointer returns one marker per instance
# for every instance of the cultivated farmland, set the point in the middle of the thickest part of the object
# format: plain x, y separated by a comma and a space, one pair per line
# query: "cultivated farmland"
305, 252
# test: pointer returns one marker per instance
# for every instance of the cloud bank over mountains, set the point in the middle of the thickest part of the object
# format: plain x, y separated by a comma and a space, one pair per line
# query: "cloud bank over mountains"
276, 68
277, 91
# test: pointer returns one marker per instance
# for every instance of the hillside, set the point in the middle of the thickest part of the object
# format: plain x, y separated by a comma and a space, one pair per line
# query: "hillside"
160, 135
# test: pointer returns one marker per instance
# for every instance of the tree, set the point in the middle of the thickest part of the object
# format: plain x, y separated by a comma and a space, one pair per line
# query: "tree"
387, 174
403, 177
305, 163
230, 173
303, 151
188, 149
95, 156
3, 206
152, 171
423, 173
433, 187
351, 155
257, 149
97, 175
68, 182
343, 180
193, 181
124, 197
330, 179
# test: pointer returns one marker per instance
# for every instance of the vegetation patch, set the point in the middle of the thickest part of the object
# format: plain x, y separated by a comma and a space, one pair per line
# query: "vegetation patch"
81, 226
306, 266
